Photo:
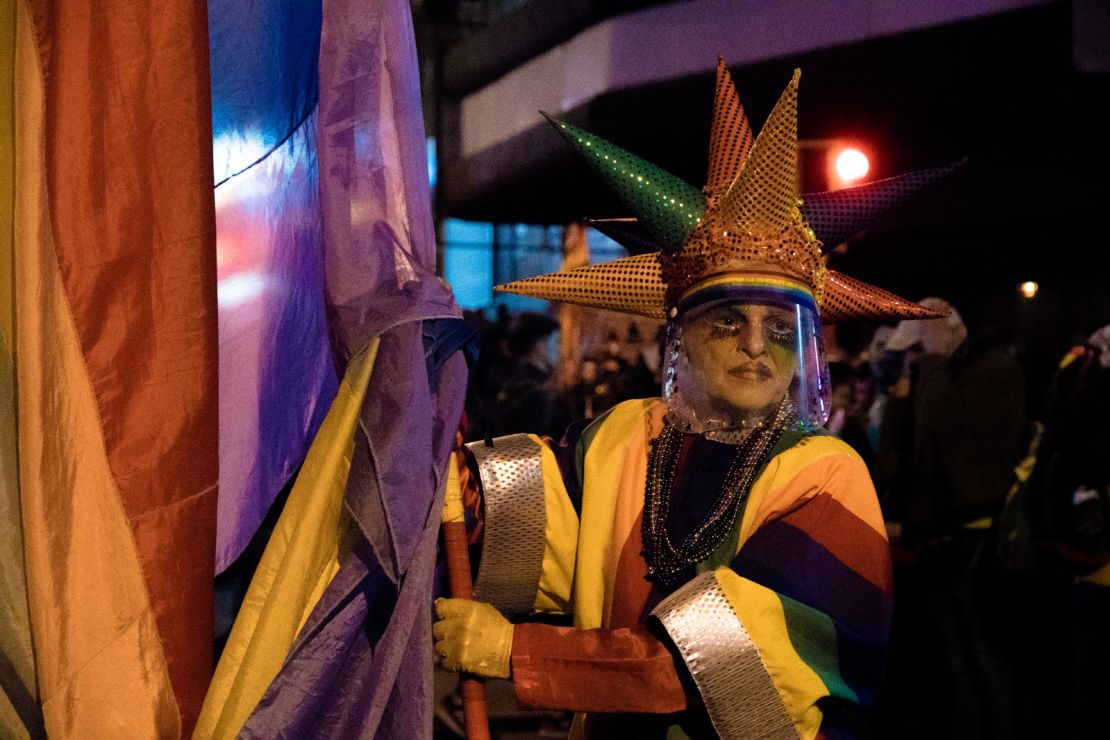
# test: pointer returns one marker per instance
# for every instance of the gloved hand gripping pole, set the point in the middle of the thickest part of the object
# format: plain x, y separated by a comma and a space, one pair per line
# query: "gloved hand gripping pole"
475, 713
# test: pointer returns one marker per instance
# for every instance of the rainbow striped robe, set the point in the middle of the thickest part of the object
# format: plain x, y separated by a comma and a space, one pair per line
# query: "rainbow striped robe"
805, 597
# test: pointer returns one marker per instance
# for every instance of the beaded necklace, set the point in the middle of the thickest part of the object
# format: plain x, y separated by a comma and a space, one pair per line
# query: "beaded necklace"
666, 560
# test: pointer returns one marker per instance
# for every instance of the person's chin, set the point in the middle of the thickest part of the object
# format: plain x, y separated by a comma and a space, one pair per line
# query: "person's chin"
745, 406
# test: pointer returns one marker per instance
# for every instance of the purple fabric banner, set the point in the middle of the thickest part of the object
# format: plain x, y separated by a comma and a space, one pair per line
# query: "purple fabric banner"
380, 257
378, 232
361, 666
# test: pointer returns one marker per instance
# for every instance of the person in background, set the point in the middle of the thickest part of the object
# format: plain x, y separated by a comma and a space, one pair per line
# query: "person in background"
1069, 493
525, 400
639, 380
851, 399
956, 417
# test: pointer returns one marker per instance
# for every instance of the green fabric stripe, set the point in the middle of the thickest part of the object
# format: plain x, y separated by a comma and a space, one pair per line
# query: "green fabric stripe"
813, 636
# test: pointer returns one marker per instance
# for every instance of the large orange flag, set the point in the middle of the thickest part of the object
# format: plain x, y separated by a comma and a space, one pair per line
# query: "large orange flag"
113, 331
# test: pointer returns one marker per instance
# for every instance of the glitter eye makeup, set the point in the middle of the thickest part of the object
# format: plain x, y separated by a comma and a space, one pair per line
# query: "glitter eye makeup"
727, 322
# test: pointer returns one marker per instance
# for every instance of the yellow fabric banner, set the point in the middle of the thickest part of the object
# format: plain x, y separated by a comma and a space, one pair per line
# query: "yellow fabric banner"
300, 560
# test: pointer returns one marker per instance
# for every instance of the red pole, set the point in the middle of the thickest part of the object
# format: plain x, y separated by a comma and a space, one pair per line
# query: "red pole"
475, 714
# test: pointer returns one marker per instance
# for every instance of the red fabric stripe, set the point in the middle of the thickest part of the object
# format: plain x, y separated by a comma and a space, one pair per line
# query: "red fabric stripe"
846, 537
631, 589
128, 160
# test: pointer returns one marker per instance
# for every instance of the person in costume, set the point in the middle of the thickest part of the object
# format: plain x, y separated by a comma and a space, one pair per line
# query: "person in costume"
723, 562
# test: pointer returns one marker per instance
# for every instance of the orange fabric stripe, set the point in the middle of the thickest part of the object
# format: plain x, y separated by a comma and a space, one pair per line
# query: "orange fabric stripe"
129, 182
19, 702
99, 663
631, 588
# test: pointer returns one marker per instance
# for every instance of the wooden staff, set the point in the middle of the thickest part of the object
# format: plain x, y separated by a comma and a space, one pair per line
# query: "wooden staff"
475, 713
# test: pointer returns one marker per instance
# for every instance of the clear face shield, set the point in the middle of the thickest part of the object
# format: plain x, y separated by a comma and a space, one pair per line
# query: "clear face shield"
745, 354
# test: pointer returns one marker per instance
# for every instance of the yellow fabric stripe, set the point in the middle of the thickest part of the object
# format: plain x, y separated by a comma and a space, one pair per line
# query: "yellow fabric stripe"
1100, 577
453, 509
99, 661
561, 535
11, 724
760, 611
615, 500
300, 560
19, 709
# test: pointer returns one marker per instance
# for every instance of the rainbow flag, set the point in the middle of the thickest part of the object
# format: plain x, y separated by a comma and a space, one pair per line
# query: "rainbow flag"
108, 410
180, 184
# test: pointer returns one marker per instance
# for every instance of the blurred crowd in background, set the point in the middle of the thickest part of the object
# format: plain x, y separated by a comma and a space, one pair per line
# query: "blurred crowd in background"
993, 476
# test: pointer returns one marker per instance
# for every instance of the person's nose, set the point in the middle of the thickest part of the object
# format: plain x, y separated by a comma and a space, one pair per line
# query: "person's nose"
751, 340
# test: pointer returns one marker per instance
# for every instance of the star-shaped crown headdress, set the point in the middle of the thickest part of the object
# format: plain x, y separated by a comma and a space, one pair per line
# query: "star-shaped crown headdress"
748, 218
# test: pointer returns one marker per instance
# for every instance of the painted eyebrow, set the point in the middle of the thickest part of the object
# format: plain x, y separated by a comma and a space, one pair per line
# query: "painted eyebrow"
773, 312
720, 312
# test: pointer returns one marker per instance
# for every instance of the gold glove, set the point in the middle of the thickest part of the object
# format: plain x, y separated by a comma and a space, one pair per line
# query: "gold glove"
472, 636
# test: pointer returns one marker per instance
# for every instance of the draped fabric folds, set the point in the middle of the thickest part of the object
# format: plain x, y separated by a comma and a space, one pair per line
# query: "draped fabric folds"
340, 648
300, 560
112, 327
19, 712
181, 184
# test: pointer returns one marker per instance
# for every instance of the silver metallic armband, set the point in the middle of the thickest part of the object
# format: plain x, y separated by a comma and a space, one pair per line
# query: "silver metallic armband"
734, 684
515, 522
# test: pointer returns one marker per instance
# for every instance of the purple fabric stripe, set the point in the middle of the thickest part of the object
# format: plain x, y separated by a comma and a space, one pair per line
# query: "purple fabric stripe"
361, 667
391, 488
786, 560
378, 234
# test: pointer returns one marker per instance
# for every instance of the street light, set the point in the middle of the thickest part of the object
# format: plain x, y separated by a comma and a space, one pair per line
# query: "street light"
844, 163
850, 165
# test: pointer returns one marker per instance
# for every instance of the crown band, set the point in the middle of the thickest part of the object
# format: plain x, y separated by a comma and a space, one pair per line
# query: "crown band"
752, 287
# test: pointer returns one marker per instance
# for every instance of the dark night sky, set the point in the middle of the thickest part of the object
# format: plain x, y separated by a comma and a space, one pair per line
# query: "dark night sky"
1001, 91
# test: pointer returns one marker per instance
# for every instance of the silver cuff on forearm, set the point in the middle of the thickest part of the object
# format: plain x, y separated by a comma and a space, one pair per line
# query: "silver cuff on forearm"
734, 683
515, 523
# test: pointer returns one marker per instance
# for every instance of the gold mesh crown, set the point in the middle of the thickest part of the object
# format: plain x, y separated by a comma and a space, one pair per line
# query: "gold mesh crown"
749, 214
